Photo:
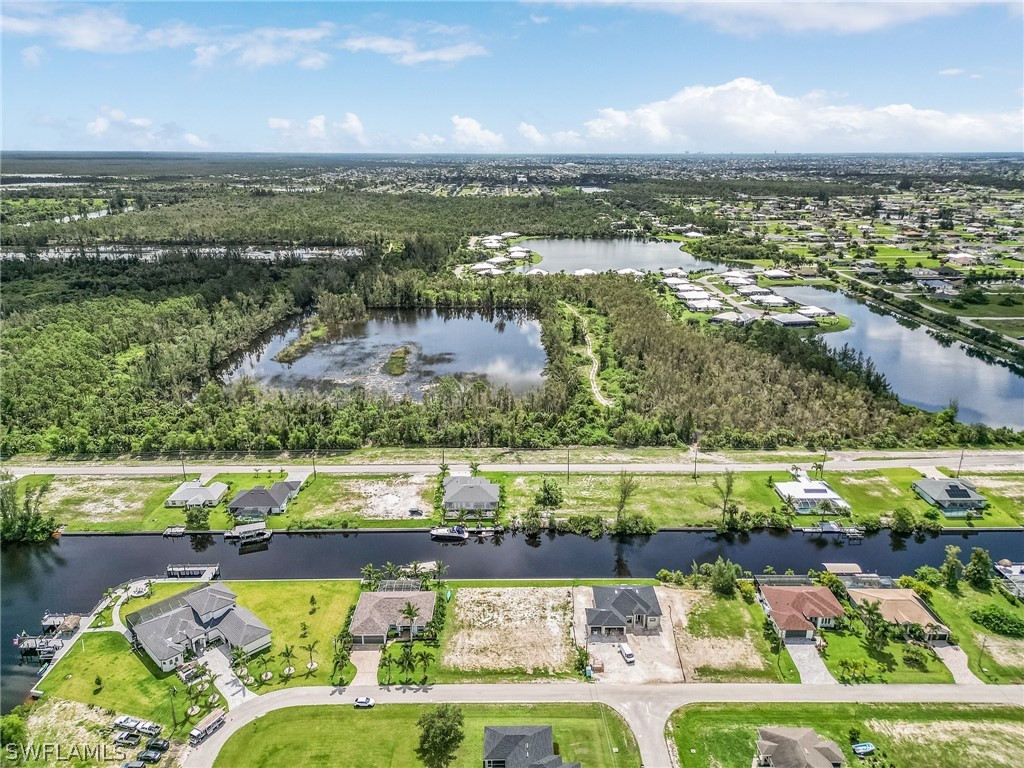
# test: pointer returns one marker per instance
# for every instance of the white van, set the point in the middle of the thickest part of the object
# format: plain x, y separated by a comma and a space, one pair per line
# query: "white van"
627, 653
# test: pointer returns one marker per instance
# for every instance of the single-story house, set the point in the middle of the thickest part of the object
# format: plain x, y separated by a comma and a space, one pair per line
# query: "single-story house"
800, 611
954, 498
470, 494
777, 274
379, 614
903, 608
792, 321
260, 501
812, 311
752, 290
623, 608
807, 495
704, 305
796, 748
192, 493
193, 619
770, 300
740, 318
521, 746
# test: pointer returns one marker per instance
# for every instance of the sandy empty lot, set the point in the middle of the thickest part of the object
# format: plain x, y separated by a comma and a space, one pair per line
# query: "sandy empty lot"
96, 499
384, 499
517, 628
698, 651
998, 745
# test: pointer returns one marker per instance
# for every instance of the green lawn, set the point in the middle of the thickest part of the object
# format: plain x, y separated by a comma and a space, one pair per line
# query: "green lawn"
284, 606
992, 658
671, 500
387, 736
1013, 328
717, 617
992, 309
1004, 492
497, 583
886, 666
905, 735
877, 492
130, 683
86, 503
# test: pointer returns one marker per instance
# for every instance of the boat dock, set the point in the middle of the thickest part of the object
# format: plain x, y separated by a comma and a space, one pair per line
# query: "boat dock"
41, 648
201, 571
850, 532
249, 533
174, 531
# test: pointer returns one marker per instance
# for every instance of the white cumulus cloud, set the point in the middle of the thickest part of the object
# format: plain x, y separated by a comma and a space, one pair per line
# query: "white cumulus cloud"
953, 71
318, 133
114, 129
470, 134
407, 51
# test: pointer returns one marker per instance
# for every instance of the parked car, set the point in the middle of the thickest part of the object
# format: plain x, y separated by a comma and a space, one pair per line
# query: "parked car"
150, 756
627, 653
364, 702
127, 723
160, 745
416, 512
127, 739
148, 728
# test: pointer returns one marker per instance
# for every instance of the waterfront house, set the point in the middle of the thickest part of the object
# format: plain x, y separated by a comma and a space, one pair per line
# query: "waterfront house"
796, 748
521, 746
807, 495
623, 608
260, 501
379, 614
470, 494
799, 611
192, 493
188, 622
954, 498
902, 608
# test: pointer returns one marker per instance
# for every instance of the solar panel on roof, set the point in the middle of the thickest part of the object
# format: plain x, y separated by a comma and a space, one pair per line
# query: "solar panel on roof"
956, 492
815, 490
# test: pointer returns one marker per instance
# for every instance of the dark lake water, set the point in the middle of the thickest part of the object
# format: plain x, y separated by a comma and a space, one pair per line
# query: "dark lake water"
72, 572
602, 255
504, 348
920, 370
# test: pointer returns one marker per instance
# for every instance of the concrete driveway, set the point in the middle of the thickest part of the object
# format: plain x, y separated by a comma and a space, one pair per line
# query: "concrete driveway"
808, 663
956, 661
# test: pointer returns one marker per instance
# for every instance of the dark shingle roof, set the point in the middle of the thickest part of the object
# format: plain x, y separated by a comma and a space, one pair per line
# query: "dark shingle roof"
259, 497
627, 600
523, 746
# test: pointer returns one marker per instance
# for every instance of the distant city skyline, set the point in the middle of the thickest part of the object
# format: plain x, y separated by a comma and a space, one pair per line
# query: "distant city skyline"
514, 77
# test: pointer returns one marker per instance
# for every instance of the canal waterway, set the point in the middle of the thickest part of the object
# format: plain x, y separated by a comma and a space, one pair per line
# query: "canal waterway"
502, 347
71, 573
563, 255
920, 370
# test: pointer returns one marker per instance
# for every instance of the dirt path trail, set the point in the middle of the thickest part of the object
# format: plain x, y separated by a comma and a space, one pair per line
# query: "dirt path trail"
606, 402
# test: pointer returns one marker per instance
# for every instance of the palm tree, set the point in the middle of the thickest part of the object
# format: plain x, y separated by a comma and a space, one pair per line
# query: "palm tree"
407, 660
443, 467
440, 569
474, 468
818, 467
238, 656
390, 570
423, 659
411, 612
370, 573
264, 662
386, 663
288, 653
414, 569
788, 505
311, 647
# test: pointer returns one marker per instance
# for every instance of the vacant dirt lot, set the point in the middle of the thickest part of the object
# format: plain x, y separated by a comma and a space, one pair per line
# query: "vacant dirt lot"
998, 745
1008, 651
394, 498
700, 649
518, 628
98, 499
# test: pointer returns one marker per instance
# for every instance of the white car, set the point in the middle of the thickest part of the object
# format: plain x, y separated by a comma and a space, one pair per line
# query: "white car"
148, 728
364, 702
126, 722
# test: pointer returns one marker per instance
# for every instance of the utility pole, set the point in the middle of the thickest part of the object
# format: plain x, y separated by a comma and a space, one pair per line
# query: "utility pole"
696, 448
172, 692
567, 465
314, 465
958, 466
181, 456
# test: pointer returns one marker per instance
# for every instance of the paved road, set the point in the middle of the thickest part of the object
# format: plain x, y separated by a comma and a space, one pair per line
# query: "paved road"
1009, 461
645, 707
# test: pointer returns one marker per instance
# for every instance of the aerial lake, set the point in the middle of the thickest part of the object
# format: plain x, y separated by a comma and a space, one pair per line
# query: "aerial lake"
503, 348
71, 573
920, 370
603, 255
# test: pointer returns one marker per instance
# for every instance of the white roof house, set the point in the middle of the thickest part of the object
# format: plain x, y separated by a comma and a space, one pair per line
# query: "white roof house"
736, 282
498, 260
193, 493
736, 273
584, 272
693, 295
537, 271
674, 272
507, 235
482, 266
770, 300
629, 271
777, 274
704, 305
812, 311
675, 281
807, 494
752, 290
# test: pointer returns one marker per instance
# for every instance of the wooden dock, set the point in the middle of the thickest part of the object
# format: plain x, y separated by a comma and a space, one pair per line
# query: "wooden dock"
202, 571
831, 527
174, 531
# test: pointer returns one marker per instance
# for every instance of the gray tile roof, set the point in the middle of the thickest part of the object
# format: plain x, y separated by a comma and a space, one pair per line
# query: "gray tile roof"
194, 492
798, 748
470, 490
948, 491
260, 497
626, 601
523, 746
377, 611
600, 618
165, 628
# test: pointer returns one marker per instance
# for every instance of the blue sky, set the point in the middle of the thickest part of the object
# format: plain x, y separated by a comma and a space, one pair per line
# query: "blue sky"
514, 76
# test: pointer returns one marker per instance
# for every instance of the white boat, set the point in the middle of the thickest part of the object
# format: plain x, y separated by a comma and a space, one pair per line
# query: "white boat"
452, 533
